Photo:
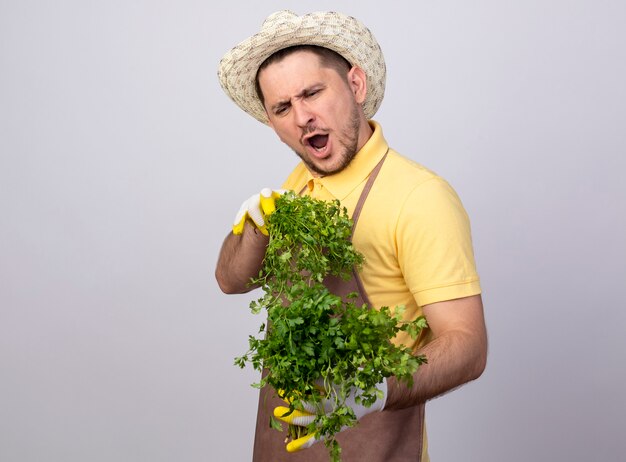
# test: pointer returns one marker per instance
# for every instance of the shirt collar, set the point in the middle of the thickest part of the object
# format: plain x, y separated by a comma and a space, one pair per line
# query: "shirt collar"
341, 184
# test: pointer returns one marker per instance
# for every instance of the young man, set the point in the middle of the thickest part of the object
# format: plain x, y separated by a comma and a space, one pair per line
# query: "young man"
317, 80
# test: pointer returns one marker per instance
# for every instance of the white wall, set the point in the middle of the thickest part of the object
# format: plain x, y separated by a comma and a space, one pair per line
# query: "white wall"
122, 164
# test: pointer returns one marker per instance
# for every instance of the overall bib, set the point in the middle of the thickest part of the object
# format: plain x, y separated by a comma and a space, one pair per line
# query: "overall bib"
387, 436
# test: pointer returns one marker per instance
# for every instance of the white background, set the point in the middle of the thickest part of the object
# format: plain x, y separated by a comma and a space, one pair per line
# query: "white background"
122, 164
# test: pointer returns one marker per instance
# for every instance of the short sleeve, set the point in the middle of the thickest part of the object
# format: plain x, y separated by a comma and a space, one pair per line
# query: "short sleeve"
434, 243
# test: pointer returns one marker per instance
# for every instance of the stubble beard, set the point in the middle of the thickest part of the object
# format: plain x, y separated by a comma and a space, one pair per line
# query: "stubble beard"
348, 142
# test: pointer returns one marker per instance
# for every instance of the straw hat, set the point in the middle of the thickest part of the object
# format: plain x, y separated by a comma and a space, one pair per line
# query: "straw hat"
338, 32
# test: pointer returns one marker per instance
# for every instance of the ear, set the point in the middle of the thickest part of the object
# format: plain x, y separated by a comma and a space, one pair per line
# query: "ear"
358, 83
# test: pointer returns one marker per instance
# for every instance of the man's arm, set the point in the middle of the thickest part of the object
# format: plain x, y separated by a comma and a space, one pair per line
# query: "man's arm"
456, 355
240, 259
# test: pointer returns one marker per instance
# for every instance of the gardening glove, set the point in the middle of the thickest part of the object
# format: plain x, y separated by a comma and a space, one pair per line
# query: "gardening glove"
257, 207
305, 417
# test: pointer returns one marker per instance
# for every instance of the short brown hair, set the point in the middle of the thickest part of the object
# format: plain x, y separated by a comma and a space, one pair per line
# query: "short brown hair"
327, 57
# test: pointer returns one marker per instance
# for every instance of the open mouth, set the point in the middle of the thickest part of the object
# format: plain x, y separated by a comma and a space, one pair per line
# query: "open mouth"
318, 142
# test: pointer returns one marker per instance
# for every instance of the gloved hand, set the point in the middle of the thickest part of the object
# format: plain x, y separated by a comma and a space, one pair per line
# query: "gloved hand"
307, 416
257, 207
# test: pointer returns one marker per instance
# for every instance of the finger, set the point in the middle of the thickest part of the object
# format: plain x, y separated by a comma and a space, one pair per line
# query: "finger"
309, 407
254, 211
268, 198
300, 418
302, 443
281, 394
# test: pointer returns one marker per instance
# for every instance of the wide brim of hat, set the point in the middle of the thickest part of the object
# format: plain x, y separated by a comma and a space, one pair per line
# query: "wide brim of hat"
338, 32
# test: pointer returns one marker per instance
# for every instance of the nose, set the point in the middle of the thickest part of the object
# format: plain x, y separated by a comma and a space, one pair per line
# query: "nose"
303, 115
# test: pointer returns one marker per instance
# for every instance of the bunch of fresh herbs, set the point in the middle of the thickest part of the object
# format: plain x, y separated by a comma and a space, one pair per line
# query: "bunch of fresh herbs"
315, 337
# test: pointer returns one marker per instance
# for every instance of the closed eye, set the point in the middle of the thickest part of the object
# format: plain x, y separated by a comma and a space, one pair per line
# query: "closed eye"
281, 109
311, 93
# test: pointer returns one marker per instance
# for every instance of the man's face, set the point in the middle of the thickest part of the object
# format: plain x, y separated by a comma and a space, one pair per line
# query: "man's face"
315, 111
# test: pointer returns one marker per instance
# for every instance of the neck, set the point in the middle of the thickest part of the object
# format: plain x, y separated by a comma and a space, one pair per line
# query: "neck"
365, 133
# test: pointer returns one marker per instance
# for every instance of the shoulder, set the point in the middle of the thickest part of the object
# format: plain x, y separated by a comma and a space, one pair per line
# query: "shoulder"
404, 173
406, 180
407, 193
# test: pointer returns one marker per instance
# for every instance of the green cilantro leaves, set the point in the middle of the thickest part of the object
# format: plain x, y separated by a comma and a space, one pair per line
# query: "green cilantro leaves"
316, 344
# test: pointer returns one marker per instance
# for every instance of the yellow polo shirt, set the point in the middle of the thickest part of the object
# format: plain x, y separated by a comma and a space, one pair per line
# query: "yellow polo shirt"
413, 230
